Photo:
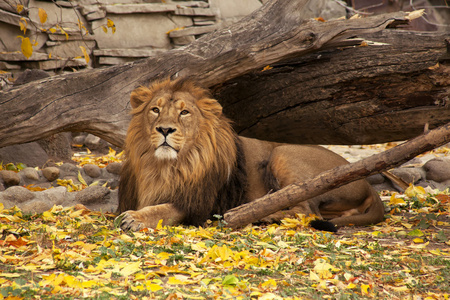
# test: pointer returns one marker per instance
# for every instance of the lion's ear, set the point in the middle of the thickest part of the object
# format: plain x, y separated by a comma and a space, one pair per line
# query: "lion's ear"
210, 105
136, 98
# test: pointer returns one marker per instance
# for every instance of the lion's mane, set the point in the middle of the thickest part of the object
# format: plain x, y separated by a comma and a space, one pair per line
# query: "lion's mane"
207, 179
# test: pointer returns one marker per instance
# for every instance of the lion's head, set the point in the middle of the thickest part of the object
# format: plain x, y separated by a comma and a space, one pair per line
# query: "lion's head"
180, 148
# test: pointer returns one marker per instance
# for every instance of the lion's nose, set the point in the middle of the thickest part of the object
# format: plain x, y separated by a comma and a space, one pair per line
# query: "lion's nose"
165, 131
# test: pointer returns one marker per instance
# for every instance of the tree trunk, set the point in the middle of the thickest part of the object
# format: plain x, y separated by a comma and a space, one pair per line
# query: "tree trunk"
336, 177
97, 101
354, 95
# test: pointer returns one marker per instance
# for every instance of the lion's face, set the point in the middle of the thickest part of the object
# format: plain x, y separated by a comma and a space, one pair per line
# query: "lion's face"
173, 118
172, 123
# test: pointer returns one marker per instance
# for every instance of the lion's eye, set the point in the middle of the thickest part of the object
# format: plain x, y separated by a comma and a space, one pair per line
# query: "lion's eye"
155, 110
184, 112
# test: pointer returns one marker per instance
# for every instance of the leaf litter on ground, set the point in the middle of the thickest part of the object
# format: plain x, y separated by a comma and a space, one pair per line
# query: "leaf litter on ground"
72, 253
68, 253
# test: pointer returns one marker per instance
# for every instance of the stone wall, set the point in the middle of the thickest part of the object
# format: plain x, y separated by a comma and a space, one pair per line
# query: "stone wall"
142, 29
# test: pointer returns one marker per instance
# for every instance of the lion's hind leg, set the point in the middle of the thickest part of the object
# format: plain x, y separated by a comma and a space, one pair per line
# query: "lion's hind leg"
149, 217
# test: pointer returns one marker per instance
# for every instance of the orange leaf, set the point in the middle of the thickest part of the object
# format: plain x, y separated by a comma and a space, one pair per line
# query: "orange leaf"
443, 198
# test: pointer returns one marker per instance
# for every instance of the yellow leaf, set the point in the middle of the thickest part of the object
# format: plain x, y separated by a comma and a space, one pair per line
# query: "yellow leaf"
105, 29
11, 218
131, 268
86, 58
152, 287
173, 280
159, 225
80, 178
23, 25
63, 31
396, 201
351, 285
418, 240
27, 49
19, 8
313, 276
412, 191
269, 284
109, 23
175, 29
266, 68
365, 288
52, 30
163, 255
323, 269
42, 15
48, 216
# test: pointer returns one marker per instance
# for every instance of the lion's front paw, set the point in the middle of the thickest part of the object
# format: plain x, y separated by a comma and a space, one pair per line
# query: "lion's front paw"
131, 220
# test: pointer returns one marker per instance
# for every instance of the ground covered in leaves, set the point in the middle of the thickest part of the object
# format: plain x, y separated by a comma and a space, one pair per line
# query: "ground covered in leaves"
69, 253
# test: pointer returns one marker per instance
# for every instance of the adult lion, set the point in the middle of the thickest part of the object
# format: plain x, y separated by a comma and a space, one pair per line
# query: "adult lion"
185, 163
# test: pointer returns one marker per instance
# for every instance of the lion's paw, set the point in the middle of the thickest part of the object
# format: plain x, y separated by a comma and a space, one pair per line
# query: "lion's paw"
131, 220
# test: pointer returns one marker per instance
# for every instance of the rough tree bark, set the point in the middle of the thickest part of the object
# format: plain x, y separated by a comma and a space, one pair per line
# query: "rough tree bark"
355, 95
336, 177
97, 101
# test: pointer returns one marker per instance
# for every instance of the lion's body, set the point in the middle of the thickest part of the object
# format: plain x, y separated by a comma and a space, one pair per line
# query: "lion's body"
185, 163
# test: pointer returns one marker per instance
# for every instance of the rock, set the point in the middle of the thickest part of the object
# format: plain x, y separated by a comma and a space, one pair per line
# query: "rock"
68, 49
57, 146
438, 169
408, 175
92, 195
235, 9
36, 206
69, 16
30, 173
18, 194
385, 186
51, 173
431, 184
10, 178
140, 8
53, 196
92, 170
30, 154
68, 170
79, 140
30, 75
114, 168
94, 142
2, 188
375, 179
150, 34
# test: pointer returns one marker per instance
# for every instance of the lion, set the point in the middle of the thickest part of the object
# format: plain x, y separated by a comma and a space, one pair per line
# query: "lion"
184, 164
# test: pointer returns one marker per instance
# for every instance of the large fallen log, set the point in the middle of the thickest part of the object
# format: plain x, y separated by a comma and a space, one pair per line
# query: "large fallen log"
336, 177
97, 101
387, 91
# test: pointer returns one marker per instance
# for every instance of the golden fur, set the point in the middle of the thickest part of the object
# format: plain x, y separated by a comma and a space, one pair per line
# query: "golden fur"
184, 163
